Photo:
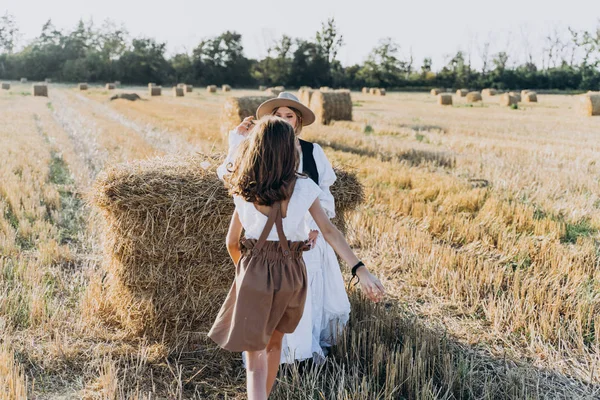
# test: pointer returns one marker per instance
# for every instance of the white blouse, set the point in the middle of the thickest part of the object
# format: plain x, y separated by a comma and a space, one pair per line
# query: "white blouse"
295, 223
326, 174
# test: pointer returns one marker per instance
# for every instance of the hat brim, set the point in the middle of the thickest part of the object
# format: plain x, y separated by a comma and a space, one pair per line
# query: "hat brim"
266, 108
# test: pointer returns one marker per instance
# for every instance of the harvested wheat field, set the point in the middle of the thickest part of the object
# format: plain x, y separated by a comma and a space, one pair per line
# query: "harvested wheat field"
481, 220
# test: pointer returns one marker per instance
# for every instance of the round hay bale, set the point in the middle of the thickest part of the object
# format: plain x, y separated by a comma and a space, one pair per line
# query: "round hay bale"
530, 97
167, 265
178, 91
462, 92
23, 80
110, 86
40, 90
331, 105
324, 88
83, 86
5, 85
590, 104
435, 92
304, 95
262, 88
379, 92
507, 99
444, 99
516, 95
151, 84
366, 90
373, 90
273, 91
523, 93
155, 90
211, 88
488, 92
226, 88
235, 109
472, 97
189, 88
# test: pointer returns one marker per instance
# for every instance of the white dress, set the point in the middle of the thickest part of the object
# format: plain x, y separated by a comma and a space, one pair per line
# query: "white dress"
327, 307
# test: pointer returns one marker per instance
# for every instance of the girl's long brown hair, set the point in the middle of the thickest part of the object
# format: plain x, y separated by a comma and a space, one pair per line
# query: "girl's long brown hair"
265, 168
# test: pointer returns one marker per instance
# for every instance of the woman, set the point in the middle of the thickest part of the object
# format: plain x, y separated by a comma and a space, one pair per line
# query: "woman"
267, 297
327, 307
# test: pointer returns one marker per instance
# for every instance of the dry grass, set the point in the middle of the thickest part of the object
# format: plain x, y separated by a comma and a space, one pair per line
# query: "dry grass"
13, 381
484, 233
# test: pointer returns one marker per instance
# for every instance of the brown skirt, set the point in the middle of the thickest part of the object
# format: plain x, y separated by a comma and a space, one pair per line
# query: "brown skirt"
268, 294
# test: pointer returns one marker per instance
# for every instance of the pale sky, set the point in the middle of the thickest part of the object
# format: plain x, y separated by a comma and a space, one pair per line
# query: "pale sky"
435, 28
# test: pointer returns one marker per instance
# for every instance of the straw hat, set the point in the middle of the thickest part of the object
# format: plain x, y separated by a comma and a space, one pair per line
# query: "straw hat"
286, 99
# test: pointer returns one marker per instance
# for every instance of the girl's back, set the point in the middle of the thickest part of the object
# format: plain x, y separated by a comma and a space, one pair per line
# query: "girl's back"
294, 213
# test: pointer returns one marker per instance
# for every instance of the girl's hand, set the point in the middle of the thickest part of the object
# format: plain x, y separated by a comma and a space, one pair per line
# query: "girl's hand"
245, 126
370, 285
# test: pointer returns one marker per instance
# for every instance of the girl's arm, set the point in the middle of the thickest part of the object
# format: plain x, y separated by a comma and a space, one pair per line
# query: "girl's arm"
233, 238
369, 283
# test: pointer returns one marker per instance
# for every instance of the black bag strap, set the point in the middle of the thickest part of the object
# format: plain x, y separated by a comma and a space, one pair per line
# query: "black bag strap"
309, 166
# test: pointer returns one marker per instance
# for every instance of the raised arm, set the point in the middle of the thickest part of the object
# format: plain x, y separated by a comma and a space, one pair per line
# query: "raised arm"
369, 283
236, 137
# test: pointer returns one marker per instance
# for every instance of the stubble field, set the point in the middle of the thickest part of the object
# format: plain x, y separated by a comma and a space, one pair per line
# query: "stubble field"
482, 221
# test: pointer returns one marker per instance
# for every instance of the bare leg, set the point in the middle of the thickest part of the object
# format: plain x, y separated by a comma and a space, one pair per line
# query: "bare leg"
256, 374
273, 359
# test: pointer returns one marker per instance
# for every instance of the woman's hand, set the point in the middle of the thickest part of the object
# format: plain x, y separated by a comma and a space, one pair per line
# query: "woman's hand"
370, 285
245, 127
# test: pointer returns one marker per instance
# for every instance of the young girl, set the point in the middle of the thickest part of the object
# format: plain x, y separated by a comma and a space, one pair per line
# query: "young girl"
267, 297
327, 307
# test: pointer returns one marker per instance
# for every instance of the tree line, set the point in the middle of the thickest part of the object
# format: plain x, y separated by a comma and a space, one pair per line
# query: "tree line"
107, 53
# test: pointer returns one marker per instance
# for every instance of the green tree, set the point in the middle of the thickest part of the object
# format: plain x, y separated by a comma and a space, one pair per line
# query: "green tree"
383, 66
9, 33
221, 60
309, 67
145, 62
329, 41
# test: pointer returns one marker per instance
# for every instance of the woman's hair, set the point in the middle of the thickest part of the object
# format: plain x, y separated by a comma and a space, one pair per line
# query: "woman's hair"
298, 127
265, 168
